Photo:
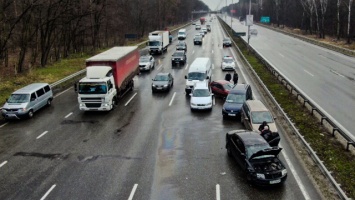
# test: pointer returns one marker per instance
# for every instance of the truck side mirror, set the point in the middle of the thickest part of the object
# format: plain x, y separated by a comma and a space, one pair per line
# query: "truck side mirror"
207, 77
147, 44
185, 77
75, 87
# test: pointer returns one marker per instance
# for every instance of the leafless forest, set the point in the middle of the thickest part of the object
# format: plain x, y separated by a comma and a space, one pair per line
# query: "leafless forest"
38, 32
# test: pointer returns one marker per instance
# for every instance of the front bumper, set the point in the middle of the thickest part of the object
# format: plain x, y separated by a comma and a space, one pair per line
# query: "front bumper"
13, 115
94, 107
230, 113
160, 88
201, 106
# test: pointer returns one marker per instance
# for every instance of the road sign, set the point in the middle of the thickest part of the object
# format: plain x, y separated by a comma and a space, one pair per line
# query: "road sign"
239, 33
265, 19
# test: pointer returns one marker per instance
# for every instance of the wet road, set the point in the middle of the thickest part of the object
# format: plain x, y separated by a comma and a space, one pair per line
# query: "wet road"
150, 147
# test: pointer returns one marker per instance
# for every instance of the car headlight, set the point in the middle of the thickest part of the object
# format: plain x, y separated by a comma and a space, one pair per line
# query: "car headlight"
284, 172
193, 104
82, 105
260, 176
209, 104
172, 58
153, 85
105, 104
166, 85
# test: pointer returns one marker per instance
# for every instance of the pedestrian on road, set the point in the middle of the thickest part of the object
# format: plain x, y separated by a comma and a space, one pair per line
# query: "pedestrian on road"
235, 77
228, 77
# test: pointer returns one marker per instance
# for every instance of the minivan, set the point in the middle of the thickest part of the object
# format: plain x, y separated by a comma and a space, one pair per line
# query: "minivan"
200, 70
27, 100
235, 99
182, 34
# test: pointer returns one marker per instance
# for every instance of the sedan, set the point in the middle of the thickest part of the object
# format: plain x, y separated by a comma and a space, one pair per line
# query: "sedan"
227, 42
162, 82
256, 157
181, 46
228, 63
221, 87
146, 63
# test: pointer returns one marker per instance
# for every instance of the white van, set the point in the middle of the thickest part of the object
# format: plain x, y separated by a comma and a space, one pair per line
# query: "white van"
200, 70
182, 34
25, 101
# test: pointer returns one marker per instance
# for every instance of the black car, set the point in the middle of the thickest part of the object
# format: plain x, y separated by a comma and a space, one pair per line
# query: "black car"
256, 157
179, 57
181, 46
227, 42
162, 82
198, 40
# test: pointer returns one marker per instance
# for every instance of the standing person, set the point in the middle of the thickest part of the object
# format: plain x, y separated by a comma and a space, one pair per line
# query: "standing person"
235, 77
228, 77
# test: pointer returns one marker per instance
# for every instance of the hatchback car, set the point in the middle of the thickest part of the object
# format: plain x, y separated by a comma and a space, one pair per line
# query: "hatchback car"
201, 97
256, 157
162, 82
181, 46
179, 57
254, 113
228, 63
146, 63
227, 42
221, 87
235, 99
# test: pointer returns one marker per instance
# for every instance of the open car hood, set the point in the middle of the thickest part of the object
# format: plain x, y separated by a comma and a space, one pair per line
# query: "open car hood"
269, 151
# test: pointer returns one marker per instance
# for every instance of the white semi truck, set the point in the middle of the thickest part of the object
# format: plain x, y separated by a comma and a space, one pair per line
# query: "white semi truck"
158, 42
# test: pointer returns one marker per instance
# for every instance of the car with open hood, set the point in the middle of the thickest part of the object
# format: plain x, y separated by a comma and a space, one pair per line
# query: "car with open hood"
258, 160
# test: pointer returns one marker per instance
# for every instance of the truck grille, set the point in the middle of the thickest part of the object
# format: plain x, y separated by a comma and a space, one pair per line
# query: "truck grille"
93, 105
91, 99
12, 110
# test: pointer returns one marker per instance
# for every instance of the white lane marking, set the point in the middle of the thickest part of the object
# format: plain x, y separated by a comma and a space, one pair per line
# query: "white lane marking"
130, 99
45, 132
186, 66
172, 99
297, 178
160, 66
212, 51
218, 192
68, 115
3, 163
49, 191
193, 51
281, 55
334, 72
133, 191
308, 72
3, 125
62, 92
212, 66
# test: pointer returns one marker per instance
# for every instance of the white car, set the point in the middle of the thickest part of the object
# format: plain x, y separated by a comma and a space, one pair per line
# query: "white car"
201, 97
202, 33
146, 63
204, 29
228, 63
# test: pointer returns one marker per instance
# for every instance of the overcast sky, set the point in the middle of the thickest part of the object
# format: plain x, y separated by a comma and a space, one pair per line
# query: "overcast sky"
218, 4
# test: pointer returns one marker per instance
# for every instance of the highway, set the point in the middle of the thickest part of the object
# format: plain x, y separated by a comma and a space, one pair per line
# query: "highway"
150, 147
327, 77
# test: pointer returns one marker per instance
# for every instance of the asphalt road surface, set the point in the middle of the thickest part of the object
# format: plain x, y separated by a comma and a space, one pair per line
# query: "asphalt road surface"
150, 147
325, 76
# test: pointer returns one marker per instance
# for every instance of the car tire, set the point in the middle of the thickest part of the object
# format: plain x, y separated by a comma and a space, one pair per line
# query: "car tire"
224, 117
30, 114
49, 102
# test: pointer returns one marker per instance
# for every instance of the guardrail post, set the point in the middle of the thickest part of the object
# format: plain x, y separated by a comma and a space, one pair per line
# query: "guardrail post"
305, 101
313, 109
321, 121
347, 146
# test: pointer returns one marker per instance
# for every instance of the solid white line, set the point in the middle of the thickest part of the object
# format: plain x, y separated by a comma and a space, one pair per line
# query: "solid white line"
172, 99
3, 163
281, 55
193, 51
218, 192
49, 191
186, 66
4, 124
297, 178
130, 99
308, 72
212, 52
212, 66
160, 66
68, 115
62, 92
45, 132
132, 192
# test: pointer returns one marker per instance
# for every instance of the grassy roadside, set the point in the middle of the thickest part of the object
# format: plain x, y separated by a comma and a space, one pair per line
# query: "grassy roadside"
340, 162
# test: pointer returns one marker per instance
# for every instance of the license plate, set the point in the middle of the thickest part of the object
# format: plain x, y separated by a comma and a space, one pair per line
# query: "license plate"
159, 88
275, 181
231, 115
11, 115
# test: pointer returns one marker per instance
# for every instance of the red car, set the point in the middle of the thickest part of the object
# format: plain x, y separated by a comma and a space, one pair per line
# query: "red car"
221, 87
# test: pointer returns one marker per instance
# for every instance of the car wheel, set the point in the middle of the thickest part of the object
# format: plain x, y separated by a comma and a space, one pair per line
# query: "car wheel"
30, 114
224, 117
49, 102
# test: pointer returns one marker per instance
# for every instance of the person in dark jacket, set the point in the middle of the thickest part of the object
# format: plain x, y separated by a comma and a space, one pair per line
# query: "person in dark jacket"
235, 77
262, 126
228, 77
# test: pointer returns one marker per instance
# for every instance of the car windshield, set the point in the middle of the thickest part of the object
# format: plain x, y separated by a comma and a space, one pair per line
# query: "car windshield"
228, 86
260, 116
92, 88
161, 78
196, 76
19, 98
235, 98
201, 93
252, 149
144, 59
181, 44
226, 40
228, 60
178, 54
154, 43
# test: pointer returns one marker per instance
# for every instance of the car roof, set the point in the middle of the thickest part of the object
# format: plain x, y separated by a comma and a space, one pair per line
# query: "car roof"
31, 88
239, 89
256, 105
249, 137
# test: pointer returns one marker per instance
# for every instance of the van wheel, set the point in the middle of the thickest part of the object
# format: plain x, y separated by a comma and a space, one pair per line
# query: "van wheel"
30, 114
49, 102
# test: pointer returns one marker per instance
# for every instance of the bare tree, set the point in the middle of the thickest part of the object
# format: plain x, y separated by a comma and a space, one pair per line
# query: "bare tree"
349, 20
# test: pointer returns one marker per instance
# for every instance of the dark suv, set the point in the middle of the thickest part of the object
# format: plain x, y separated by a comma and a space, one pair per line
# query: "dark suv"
235, 99
179, 57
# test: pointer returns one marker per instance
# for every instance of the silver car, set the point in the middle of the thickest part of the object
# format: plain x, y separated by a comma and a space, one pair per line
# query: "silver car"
162, 82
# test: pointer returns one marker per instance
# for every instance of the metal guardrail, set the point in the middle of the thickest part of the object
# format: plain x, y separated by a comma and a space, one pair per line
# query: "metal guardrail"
320, 164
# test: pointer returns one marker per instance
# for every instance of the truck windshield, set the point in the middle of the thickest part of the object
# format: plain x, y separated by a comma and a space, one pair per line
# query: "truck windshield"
19, 98
92, 88
154, 43
196, 76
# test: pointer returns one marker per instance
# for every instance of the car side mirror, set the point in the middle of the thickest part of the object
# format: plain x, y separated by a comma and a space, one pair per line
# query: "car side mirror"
275, 118
242, 154
147, 44
6, 100
152, 79
33, 99
75, 87
247, 119
207, 77
185, 77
